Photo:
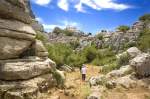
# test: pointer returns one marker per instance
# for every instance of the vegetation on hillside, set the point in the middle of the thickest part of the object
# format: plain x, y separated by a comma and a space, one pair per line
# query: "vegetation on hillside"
123, 28
58, 31
67, 54
144, 38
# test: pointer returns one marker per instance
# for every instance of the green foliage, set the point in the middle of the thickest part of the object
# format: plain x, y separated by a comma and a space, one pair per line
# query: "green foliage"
76, 60
109, 67
144, 40
123, 28
60, 81
74, 44
123, 59
67, 32
90, 53
145, 17
40, 36
57, 30
100, 36
59, 53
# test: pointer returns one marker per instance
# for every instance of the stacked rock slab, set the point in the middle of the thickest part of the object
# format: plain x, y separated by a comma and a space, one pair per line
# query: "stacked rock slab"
24, 66
141, 64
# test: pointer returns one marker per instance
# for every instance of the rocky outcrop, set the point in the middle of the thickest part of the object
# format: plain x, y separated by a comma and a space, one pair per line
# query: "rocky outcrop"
119, 40
141, 64
25, 69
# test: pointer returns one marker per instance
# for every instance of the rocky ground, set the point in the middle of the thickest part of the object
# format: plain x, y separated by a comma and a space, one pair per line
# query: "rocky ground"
76, 89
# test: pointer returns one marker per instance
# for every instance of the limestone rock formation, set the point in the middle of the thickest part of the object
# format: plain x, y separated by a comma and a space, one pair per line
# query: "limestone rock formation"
133, 52
25, 69
141, 64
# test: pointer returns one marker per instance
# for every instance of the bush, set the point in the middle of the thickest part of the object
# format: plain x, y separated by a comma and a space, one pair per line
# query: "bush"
40, 36
59, 53
90, 53
60, 81
109, 67
74, 44
144, 40
145, 17
68, 33
123, 59
76, 60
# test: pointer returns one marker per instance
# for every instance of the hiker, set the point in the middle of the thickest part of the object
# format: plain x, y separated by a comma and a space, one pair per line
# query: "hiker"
83, 71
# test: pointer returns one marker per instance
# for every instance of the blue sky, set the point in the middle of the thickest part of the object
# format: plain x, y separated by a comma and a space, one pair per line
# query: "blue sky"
89, 15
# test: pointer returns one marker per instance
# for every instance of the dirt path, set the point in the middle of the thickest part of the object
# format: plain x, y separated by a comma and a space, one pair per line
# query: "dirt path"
76, 89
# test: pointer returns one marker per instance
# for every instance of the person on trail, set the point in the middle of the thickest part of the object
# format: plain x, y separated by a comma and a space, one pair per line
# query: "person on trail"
83, 71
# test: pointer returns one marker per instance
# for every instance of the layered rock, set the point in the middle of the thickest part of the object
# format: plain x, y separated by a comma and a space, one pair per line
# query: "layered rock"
25, 69
141, 64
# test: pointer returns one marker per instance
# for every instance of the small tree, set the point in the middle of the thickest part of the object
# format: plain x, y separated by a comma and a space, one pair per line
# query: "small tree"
123, 28
57, 30
145, 17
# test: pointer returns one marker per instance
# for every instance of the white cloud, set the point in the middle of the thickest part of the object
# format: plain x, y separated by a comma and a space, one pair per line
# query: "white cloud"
80, 4
100, 4
62, 24
63, 4
41, 2
39, 19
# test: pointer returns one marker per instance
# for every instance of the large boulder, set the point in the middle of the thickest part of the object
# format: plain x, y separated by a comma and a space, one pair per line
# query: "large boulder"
141, 64
12, 48
133, 52
27, 89
126, 82
97, 80
40, 50
124, 70
16, 29
23, 70
15, 9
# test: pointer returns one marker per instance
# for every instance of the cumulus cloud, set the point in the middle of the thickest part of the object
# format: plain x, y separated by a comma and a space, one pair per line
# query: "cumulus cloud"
62, 24
41, 2
100, 4
79, 5
63, 4
39, 19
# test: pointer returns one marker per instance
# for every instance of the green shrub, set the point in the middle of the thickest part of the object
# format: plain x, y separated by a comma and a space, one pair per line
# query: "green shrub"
144, 40
76, 60
60, 81
74, 44
90, 53
59, 53
40, 36
109, 67
145, 17
68, 33
123, 59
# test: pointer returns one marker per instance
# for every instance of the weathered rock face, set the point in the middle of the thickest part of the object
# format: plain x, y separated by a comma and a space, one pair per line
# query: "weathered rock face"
133, 52
28, 70
15, 9
25, 69
118, 40
141, 64
12, 48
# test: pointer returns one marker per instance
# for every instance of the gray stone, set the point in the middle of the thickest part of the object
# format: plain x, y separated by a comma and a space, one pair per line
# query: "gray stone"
11, 11
28, 89
23, 70
124, 70
133, 52
126, 82
141, 64
12, 48
16, 29
97, 80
